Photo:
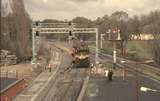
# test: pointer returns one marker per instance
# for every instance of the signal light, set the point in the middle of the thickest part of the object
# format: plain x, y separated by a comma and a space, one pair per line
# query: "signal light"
72, 38
70, 33
69, 23
73, 61
37, 33
37, 23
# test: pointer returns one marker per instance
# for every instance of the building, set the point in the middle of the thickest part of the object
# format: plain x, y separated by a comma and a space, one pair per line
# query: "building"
142, 37
10, 87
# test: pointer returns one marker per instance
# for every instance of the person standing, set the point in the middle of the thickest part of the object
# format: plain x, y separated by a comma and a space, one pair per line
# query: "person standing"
110, 75
49, 67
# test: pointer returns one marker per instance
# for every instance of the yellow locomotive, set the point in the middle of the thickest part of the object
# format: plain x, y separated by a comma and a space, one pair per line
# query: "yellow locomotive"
81, 57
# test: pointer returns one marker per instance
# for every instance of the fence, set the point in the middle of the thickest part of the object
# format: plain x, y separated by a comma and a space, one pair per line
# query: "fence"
14, 74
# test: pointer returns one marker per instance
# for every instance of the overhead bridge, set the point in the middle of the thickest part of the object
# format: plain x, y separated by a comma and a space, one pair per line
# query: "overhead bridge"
69, 29
64, 30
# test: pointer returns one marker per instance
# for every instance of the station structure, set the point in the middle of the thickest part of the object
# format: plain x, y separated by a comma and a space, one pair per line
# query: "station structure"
42, 28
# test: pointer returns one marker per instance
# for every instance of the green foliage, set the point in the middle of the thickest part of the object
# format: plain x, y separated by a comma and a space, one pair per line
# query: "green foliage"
83, 22
156, 51
51, 21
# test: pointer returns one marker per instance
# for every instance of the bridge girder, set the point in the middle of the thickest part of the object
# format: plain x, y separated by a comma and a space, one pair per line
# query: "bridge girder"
64, 30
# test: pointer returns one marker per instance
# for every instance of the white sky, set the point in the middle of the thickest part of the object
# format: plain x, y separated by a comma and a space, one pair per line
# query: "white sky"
68, 9
6, 7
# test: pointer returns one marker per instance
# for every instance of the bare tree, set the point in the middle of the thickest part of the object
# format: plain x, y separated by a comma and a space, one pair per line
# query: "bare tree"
16, 24
151, 24
0, 22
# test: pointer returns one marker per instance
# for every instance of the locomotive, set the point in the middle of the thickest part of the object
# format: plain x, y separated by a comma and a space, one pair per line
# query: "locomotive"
81, 54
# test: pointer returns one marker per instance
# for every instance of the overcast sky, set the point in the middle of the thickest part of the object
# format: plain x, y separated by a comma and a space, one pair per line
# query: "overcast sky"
68, 9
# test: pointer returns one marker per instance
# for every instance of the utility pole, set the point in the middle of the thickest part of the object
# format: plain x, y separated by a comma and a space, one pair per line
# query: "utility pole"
70, 32
114, 54
96, 57
34, 34
33, 47
101, 41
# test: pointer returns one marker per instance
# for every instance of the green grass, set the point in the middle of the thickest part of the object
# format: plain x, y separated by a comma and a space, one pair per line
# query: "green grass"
108, 50
138, 50
135, 50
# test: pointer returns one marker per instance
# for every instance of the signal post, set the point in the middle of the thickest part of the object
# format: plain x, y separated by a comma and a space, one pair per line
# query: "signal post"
114, 36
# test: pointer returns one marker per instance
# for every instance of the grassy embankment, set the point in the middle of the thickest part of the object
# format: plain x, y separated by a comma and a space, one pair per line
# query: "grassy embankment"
135, 50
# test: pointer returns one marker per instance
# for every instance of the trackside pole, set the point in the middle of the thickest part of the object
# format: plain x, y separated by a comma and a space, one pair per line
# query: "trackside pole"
114, 54
96, 57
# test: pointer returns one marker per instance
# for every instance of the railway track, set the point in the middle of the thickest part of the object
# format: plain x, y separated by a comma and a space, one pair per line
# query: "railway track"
71, 84
68, 85
148, 70
100, 52
68, 81
75, 82
133, 66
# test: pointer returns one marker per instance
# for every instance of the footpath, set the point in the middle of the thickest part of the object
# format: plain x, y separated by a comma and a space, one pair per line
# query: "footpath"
42, 83
99, 88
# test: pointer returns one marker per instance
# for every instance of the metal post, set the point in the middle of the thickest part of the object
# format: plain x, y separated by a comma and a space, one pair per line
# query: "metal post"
137, 83
7, 73
114, 54
16, 74
124, 72
70, 30
101, 41
33, 47
96, 57
69, 39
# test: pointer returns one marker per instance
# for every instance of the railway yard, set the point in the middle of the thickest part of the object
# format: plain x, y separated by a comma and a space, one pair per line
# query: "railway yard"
78, 84
80, 50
